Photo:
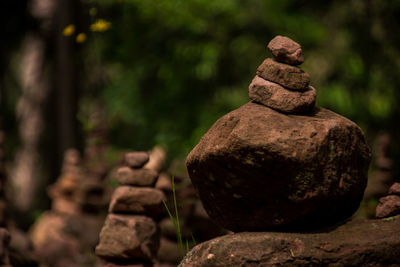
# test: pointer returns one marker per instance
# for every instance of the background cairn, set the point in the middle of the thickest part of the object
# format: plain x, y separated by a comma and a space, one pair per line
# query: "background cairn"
66, 234
130, 234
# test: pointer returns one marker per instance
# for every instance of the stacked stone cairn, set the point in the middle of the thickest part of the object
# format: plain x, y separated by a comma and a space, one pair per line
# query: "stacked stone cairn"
130, 234
279, 84
280, 162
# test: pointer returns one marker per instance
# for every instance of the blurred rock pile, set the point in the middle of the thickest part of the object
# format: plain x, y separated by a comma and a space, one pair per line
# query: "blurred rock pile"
67, 234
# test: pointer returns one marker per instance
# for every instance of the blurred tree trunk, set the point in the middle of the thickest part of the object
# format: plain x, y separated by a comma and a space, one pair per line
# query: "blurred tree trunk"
38, 77
35, 84
66, 82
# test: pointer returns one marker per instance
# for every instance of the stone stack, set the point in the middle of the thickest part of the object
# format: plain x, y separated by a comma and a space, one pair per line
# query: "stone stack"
280, 162
382, 176
279, 84
130, 233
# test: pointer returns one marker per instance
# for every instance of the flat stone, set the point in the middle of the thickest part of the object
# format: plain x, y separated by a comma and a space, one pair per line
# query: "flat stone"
394, 189
138, 177
388, 206
356, 243
138, 200
286, 50
290, 77
136, 159
258, 169
281, 99
128, 237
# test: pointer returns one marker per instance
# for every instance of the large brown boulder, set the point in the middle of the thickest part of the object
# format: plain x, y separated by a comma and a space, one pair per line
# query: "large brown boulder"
357, 243
258, 169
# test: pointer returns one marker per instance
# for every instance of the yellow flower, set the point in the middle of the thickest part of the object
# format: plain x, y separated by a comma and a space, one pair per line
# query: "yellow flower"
69, 30
80, 38
93, 11
100, 25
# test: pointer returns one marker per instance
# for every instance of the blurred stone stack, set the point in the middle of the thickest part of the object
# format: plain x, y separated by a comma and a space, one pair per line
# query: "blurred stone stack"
130, 234
279, 84
66, 234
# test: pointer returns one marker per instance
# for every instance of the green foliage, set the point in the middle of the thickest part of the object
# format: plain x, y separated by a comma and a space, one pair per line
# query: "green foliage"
171, 68
176, 223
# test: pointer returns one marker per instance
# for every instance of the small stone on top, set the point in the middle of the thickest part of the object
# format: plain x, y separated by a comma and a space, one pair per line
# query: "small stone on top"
286, 50
136, 159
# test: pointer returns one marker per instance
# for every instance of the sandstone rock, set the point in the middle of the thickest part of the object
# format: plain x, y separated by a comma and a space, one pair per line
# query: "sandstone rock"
257, 169
388, 206
138, 200
139, 177
357, 243
128, 237
290, 77
276, 97
136, 159
286, 50
394, 189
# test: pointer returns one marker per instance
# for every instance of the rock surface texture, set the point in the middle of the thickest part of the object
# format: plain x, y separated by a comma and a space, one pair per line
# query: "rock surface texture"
279, 162
290, 77
357, 243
